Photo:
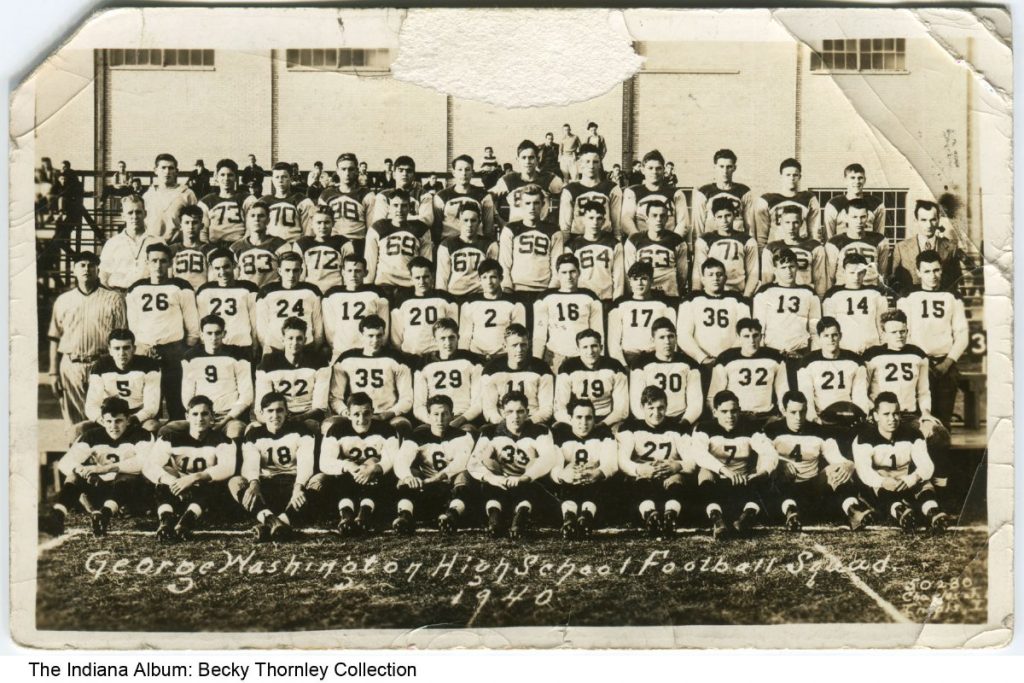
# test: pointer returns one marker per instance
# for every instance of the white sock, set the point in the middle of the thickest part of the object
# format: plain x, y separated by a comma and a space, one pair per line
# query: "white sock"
524, 505
713, 507
590, 508
263, 515
928, 506
786, 504
673, 506
366, 502
849, 503
112, 506
492, 505
646, 507
194, 509
61, 509
346, 504
569, 507
457, 505
284, 518
405, 505
162, 510
753, 507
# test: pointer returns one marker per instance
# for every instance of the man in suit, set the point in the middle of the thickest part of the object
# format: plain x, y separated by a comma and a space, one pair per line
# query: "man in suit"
929, 237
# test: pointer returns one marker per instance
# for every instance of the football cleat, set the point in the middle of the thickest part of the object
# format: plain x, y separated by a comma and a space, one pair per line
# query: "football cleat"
99, 522
52, 523
447, 523
585, 524
403, 524
652, 523
183, 529
668, 522
793, 521
279, 531
165, 532
858, 518
720, 529
907, 521
347, 527
261, 533
520, 524
494, 525
570, 529
744, 526
940, 522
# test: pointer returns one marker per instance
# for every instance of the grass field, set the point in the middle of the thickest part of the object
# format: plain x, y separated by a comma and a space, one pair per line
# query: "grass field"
220, 581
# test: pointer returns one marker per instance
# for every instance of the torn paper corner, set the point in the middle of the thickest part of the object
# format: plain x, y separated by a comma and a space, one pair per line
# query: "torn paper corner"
520, 58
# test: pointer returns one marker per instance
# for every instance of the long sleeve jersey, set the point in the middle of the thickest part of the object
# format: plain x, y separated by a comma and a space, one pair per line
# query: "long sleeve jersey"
225, 377
595, 452
458, 378
162, 313
499, 454
605, 385
385, 377
178, 454
424, 454
138, 383
345, 450
129, 451
236, 304
533, 378
679, 377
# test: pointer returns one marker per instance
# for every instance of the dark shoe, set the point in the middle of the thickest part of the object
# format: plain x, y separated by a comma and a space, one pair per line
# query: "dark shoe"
260, 533
793, 521
403, 524
652, 523
720, 529
669, 521
940, 522
858, 517
447, 523
744, 526
279, 531
570, 529
520, 524
907, 520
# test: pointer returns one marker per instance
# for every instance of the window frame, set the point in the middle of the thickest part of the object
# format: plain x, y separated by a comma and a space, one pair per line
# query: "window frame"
896, 228
334, 60
118, 58
874, 50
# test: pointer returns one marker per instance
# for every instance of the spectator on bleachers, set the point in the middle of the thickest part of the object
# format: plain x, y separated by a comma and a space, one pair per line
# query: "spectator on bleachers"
313, 177
636, 176
120, 183
548, 155
364, 174
47, 169
252, 176
199, 179
44, 189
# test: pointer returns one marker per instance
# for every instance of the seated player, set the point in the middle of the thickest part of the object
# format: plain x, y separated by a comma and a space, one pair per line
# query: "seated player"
559, 315
811, 263
392, 243
631, 317
803, 481
835, 213
599, 254
755, 374
459, 256
651, 451
591, 189
858, 238
277, 464
736, 251
895, 469
345, 307
355, 456
257, 252
449, 372
769, 207
413, 317
588, 460
510, 190
665, 250
831, 378
735, 462
450, 202
351, 203
673, 372
301, 375
224, 209
509, 460
290, 212
123, 374
323, 253
420, 199
654, 189
594, 377
708, 318
858, 308
385, 376
290, 297
789, 312
188, 252
232, 299
486, 316
528, 248
186, 466
431, 470
102, 469
222, 373
517, 370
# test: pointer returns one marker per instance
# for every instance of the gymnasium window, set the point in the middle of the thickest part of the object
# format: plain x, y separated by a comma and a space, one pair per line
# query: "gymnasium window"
894, 201
356, 60
861, 55
161, 59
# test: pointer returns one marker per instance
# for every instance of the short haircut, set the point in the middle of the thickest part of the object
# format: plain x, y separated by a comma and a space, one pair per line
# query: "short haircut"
514, 397
388, 161
516, 330
640, 269
133, 198
463, 157
793, 396
654, 155
585, 334
489, 265
201, 400
282, 166
346, 156
323, 210
790, 163
790, 209
115, 405
579, 403
405, 160
654, 204
533, 189
399, 194
372, 322
886, 397
827, 322
785, 256
355, 258
359, 398
859, 203
710, 263
591, 125
273, 397
220, 252
470, 207
421, 262
318, 164
893, 315
440, 400
294, 323
651, 394
193, 211
164, 157
663, 324
724, 154
567, 258
159, 248
926, 256
590, 205
723, 397
587, 148
212, 319
87, 256
854, 168
227, 163
121, 334
854, 258
722, 204
289, 257
445, 324
748, 324
925, 205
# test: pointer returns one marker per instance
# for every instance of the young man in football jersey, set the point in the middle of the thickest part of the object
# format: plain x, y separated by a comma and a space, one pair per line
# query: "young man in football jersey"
836, 212
591, 188
290, 213
666, 251
856, 237
459, 257
588, 460
938, 326
708, 317
592, 376
413, 317
232, 299
344, 307
162, 312
419, 200
352, 203
287, 298
450, 202
296, 372
452, 372
509, 459
811, 262
277, 464
392, 243
672, 371
768, 208
165, 197
486, 316
559, 315
599, 253
224, 210
631, 316
736, 461
517, 370
102, 469
802, 481
736, 250
123, 374
257, 253
186, 466
831, 378
650, 456
528, 247
355, 456
431, 470
737, 195
636, 198
508, 191
857, 307
188, 251
222, 373
323, 253
789, 312
755, 374
895, 468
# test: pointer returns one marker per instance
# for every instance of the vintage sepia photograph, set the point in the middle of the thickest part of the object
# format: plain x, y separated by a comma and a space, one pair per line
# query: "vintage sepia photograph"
656, 328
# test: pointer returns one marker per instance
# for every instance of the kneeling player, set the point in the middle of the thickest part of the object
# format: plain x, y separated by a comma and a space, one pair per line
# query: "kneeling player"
102, 468
509, 458
277, 463
354, 457
588, 460
893, 464
803, 483
650, 454
431, 469
184, 465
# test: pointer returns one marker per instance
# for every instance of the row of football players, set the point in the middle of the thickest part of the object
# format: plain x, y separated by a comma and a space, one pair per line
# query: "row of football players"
726, 469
